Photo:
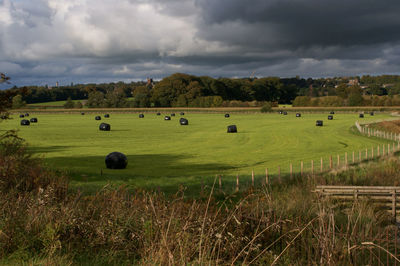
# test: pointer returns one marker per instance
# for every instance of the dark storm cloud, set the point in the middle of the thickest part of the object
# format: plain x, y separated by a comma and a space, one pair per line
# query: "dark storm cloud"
299, 23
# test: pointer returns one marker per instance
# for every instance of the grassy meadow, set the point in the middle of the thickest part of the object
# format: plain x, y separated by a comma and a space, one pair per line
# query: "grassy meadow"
164, 154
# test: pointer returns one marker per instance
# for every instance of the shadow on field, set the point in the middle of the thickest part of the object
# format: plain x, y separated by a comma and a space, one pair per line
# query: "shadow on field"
155, 171
46, 149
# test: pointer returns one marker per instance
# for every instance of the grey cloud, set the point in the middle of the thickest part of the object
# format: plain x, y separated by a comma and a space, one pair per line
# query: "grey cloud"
76, 41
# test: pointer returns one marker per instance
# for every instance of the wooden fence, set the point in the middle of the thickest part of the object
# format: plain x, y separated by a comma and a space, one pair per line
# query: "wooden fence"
386, 197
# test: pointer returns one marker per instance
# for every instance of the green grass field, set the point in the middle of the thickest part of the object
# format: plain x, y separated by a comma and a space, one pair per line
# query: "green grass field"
55, 103
165, 154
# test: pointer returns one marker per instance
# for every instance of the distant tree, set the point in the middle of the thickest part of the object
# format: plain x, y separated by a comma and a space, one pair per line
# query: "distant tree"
267, 107
69, 103
95, 99
115, 99
78, 105
355, 99
17, 102
302, 101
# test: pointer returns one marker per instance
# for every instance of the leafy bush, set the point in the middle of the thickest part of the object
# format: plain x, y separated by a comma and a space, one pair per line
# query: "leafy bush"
267, 107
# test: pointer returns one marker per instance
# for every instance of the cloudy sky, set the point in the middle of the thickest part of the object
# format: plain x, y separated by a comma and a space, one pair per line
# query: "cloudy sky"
81, 41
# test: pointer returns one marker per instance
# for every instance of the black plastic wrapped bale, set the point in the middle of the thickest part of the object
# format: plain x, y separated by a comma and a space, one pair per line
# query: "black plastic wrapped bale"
105, 127
371, 114
82, 113
172, 114
284, 113
21, 116
298, 115
330, 117
227, 115
141, 115
183, 121
232, 129
25, 122
361, 115
116, 160
3, 117
319, 123
33, 120
107, 116
26, 114
167, 118
158, 113
97, 118
182, 113
332, 113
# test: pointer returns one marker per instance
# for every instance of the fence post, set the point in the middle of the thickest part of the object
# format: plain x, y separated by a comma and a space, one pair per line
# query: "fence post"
383, 149
366, 153
359, 156
220, 183
237, 183
312, 167
379, 154
353, 157
345, 160
322, 165
279, 174
372, 152
338, 161
388, 148
301, 168
266, 176
252, 178
394, 204
291, 170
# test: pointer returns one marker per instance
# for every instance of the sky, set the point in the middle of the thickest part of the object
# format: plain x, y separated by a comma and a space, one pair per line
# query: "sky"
95, 41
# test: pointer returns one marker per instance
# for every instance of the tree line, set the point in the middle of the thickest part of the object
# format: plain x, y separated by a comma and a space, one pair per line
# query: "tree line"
184, 90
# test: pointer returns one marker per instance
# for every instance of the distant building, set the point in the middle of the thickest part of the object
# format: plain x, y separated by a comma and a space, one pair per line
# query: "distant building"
56, 84
353, 82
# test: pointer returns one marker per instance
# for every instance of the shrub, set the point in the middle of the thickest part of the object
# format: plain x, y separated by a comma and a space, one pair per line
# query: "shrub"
267, 107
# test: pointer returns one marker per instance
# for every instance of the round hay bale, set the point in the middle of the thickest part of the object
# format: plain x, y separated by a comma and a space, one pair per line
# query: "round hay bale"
330, 117
298, 115
332, 113
227, 115
25, 122
141, 115
3, 117
183, 121
319, 123
105, 127
21, 116
158, 113
371, 114
173, 114
361, 115
97, 118
116, 160
107, 116
285, 113
167, 118
182, 113
26, 114
33, 120
232, 129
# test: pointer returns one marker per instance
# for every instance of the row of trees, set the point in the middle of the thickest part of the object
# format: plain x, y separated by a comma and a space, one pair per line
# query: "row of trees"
181, 90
